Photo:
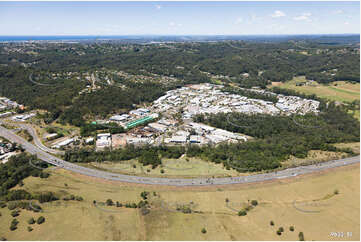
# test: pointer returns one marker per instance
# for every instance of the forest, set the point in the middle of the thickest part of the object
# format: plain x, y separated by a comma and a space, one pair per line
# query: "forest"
188, 62
278, 137
14, 171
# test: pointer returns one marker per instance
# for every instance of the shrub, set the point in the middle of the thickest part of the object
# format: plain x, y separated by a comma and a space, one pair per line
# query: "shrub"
2, 204
109, 202
144, 195
162, 171
281, 229
14, 224
279, 232
15, 213
13, 227
248, 208
292, 228
204, 230
12, 206
3, 239
40, 220
79, 198
301, 236
36, 208
271, 223
227, 200
46, 197
254, 202
336, 192
30, 229
31, 221
134, 166
242, 213
15, 221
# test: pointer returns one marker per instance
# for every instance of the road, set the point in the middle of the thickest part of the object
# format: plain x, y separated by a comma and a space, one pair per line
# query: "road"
37, 140
287, 173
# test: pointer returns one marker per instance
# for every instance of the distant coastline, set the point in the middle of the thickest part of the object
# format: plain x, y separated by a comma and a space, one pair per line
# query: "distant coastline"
176, 38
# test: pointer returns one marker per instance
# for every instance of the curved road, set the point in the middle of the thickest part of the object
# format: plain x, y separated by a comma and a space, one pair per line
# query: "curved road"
291, 172
37, 140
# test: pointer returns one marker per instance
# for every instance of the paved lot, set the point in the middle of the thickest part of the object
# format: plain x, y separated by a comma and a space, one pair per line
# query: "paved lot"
287, 173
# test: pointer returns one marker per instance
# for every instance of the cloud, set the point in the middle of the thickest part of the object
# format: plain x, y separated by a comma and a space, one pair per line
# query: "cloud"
158, 7
173, 24
278, 14
239, 20
303, 17
346, 23
338, 12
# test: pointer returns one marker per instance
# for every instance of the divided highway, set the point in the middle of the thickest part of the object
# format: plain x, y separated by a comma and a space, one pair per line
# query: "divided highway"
287, 173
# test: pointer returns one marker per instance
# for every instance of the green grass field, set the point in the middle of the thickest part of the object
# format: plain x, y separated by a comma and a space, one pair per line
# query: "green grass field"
344, 91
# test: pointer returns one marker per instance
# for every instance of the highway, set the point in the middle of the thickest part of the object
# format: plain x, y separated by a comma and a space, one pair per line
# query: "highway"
37, 140
287, 173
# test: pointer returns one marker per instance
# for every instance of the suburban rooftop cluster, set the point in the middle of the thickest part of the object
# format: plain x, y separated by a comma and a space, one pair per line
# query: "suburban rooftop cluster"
209, 98
177, 107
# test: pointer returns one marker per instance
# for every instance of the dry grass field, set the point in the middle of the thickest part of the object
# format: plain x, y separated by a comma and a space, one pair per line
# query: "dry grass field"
308, 203
182, 167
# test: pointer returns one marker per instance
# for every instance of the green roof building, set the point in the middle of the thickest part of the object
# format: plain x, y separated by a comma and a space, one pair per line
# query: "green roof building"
137, 122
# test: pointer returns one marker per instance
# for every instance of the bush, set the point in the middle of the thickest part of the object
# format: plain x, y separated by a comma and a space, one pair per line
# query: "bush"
281, 229
242, 213
15, 213
12, 206
30, 229
254, 202
3, 239
14, 224
2, 204
13, 227
301, 236
227, 200
79, 198
36, 208
46, 197
31, 221
144, 195
292, 228
336, 192
204, 230
40, 220
271, 223
109, 202
279, 232
162, 171
248, 208
15, 221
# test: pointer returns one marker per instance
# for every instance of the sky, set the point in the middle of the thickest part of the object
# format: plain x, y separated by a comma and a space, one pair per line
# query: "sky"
178, 18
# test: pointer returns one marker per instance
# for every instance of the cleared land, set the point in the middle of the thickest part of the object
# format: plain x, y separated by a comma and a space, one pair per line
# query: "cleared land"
283, 201
336, 91
182, 167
